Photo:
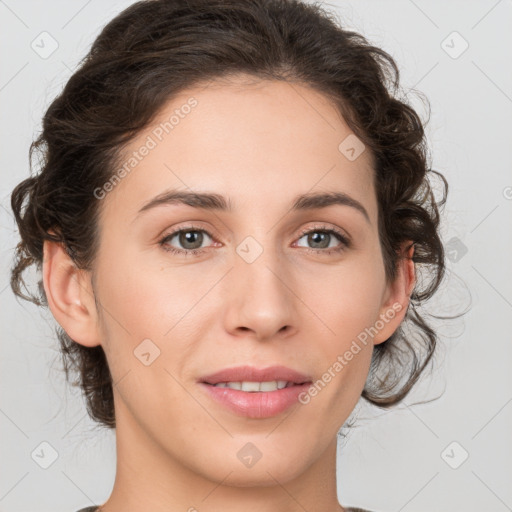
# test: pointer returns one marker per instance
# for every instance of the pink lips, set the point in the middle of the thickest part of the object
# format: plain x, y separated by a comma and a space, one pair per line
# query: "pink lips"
252, 374
260, 404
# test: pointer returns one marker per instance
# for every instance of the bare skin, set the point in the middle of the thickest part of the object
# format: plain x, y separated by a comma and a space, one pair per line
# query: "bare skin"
260, 145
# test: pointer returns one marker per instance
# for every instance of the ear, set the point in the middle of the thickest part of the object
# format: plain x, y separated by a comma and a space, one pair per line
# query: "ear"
70, 295
396, 296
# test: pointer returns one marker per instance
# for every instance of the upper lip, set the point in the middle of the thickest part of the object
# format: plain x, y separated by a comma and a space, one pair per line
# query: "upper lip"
253, 374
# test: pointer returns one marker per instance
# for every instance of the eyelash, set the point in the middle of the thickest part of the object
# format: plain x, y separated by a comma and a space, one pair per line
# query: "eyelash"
345, 242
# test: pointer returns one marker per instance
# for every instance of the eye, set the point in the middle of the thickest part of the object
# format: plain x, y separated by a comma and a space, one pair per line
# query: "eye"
190, 238
322, 238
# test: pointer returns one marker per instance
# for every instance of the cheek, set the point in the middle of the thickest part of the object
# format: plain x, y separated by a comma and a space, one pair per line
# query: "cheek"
346, 297
149, 302
148, 332
348, 305
146, 298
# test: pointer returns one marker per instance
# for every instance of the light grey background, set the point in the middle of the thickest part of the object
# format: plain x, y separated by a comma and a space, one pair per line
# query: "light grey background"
401, 460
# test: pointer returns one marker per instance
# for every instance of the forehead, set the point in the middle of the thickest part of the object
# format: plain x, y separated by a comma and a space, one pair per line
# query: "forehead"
259, 143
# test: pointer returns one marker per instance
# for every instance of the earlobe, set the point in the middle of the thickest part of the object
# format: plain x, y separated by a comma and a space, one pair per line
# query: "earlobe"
398, 295
69, 294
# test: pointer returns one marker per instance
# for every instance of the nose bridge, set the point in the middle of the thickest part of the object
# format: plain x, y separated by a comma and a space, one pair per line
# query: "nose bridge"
259, 265
261, 299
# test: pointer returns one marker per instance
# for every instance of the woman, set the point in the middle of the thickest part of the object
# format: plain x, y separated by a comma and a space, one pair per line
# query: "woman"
229, 219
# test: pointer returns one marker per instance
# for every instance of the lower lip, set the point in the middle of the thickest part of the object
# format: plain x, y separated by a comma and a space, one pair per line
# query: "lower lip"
261, 404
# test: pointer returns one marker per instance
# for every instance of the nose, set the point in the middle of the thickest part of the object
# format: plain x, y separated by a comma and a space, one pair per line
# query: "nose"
261, 299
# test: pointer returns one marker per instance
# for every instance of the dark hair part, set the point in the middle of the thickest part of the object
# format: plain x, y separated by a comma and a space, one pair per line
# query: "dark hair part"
155, 49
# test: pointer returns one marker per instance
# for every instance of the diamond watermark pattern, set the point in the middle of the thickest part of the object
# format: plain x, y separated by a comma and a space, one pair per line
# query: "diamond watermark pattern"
454, 45
455, 249
249, 249
44, 454
249, 455
351, 147
146, 352
454, 455
44, 45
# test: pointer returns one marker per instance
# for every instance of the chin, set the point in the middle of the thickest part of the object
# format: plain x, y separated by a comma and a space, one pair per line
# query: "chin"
249, 466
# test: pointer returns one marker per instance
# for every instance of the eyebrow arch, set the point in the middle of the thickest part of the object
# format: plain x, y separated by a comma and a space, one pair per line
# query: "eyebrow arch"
211, 201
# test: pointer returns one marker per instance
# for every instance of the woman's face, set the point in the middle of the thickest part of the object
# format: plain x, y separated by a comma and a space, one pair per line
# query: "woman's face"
261, 292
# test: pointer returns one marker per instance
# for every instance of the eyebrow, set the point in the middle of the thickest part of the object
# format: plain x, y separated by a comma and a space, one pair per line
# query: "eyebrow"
217, 202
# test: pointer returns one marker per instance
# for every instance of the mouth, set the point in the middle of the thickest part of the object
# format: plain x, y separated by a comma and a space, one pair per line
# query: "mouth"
255, 386
256, 393
249, 377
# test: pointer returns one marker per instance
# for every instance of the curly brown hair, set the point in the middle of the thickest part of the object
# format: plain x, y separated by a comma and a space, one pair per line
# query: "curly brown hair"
155, 49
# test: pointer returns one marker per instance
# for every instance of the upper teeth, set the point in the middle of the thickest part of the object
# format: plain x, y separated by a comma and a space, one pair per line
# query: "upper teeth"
254, 386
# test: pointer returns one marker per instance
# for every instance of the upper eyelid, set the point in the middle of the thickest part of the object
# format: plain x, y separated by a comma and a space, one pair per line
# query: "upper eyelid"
325, 227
